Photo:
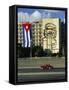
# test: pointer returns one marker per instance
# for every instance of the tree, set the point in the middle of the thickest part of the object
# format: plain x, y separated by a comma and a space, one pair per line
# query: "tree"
37, 51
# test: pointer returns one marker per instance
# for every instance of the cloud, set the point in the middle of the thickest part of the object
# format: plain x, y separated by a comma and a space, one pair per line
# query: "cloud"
23, 17
35, 16
20, 16
27, 17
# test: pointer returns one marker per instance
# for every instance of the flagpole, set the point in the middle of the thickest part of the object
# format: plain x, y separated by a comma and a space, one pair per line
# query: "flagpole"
31, 48
30, 43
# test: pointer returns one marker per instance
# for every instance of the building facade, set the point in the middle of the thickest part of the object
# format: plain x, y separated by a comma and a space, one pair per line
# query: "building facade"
51, 34
37, 33
45, 33
20, 35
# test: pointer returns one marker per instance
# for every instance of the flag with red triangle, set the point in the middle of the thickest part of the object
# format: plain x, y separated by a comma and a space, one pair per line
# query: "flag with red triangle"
26, 34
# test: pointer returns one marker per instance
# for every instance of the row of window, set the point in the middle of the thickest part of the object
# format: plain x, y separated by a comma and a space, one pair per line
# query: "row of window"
37, 44
37, 25
20, 36
20, 30
19, 41
34, 29
36, 41
37, 33
37, 36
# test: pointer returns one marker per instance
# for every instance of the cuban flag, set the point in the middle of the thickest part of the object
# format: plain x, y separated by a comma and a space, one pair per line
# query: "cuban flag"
26, 34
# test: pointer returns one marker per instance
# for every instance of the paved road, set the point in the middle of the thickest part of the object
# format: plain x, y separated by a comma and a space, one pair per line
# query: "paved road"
34, 74
38, 61
28, 70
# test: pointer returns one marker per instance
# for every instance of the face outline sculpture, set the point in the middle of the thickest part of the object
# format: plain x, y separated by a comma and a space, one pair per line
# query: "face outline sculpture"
50, 34
50, 30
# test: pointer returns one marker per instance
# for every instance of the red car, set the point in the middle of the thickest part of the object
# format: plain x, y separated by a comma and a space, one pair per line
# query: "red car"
47, 67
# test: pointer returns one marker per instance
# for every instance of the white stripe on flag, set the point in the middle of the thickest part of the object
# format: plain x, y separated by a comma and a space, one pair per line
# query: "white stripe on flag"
25, 38
28, 38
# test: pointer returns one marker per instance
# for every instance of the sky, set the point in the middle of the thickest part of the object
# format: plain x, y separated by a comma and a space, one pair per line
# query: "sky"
31, 15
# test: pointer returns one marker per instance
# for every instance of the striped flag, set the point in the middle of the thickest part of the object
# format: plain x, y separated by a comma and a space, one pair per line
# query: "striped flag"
26, 34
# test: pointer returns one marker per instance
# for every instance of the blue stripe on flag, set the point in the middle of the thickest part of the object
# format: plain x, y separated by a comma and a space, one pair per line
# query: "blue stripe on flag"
27, 38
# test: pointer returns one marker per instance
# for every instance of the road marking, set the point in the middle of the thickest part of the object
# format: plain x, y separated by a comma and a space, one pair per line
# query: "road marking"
36, 67
42, 73
28, 67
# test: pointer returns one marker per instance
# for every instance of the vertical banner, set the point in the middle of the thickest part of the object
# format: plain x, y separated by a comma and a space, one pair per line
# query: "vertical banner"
26, 34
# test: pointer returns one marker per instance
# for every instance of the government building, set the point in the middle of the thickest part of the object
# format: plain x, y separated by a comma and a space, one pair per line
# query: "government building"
37, 33
45, 33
